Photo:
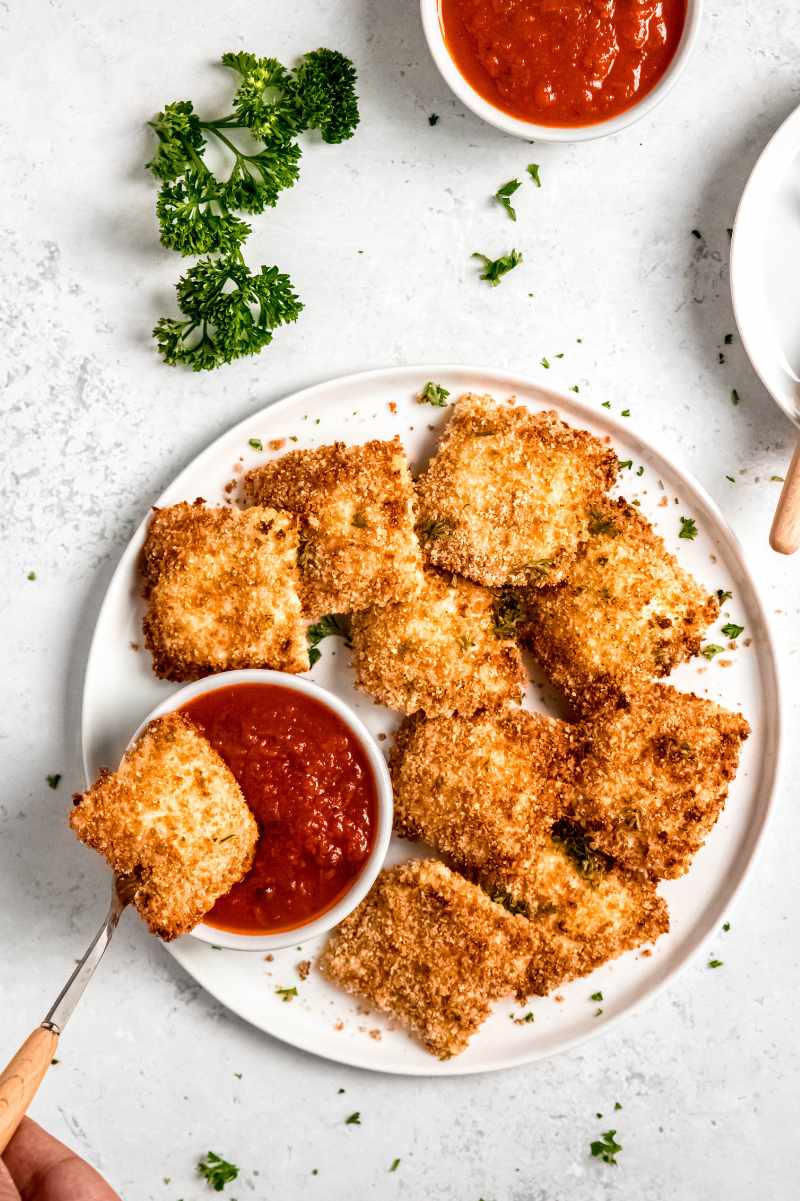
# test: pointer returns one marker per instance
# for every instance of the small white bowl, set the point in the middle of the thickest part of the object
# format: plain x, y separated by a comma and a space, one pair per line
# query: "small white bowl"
383, 790
434, 33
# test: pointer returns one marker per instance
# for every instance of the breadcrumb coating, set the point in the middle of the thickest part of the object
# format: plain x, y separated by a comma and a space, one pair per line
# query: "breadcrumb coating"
627, 611
431, 950
173, 816
439, 652
653, 776
222, 588
356, 510
507, 497
478, 789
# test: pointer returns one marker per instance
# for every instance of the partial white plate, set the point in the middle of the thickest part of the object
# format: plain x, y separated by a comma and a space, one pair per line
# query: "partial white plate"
120, 690
765, 279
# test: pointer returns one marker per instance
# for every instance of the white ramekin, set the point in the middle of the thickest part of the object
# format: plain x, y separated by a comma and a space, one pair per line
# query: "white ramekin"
383, 790
432, 24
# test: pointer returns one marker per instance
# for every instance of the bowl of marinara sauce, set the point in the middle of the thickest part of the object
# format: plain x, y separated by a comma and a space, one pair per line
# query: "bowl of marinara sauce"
319, 789
560, 70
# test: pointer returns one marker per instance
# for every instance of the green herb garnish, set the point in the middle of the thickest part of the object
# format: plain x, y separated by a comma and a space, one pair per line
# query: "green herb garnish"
731, 630
600, 524
433, 119
726, 927
394, 1165
623, 463
495, 269
715, 962
256, 443
710, 650
54, 780
575, 843
688, 528
596, 996
353, 1120
503, 196
545, 363
722, 595
533, 171
507, 614
287, 994
734, 396
31, 575
331, 626
435, 527
217, 1171
433, 394
606, 1147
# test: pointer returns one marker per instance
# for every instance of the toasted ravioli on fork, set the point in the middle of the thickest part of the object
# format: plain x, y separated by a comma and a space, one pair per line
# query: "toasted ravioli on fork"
222, 589
172, 816
356, 510
432, 950
507, 498
627, 611
439, 652
478, 789
653, 775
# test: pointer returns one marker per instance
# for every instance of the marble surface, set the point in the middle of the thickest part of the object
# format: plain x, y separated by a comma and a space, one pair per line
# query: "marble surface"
378, 238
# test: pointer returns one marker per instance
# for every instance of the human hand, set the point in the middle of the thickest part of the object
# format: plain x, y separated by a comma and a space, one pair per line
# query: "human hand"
37, 1167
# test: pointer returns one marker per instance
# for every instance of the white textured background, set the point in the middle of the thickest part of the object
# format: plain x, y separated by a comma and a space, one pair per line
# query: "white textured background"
94, 426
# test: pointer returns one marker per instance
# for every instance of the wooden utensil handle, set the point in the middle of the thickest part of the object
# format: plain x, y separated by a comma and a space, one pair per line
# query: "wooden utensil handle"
785, 534
22, 1077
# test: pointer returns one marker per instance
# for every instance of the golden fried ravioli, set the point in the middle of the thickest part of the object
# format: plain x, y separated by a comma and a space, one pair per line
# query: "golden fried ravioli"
588, 909
479, 789
627, 611
222, 591
355, 505
440, 652
507, 498
173, 817
431, 950
653, 776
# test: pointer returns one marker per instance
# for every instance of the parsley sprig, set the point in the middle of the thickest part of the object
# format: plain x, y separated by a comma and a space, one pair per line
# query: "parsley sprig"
227, 311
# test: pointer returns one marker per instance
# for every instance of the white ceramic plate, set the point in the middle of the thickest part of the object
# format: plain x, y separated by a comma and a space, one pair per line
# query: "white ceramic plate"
120, 690
765, 280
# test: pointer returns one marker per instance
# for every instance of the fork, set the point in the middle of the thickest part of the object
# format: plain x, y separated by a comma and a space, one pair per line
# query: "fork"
20, 1080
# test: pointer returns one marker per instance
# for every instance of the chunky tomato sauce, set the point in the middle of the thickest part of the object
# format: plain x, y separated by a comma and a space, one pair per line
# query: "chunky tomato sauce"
312, 792
563, 62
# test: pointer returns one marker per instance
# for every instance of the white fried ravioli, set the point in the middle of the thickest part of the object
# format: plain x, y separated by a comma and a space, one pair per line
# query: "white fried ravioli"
653, 774
507, 497
222, 590
173, 817
356, 511
431, 950
627, 611
440, 652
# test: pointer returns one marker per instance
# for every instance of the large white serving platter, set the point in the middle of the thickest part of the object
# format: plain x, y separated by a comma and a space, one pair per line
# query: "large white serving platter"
120, 690
765, 280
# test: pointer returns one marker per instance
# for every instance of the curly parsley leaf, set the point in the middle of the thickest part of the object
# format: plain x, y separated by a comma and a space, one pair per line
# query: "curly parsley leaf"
217, 1171
180, 141
731, 630
606, 1147
503, 196
495, 269
262, 102
194, 217
433, 394
324, 94
227, 312
330, 626
688, 528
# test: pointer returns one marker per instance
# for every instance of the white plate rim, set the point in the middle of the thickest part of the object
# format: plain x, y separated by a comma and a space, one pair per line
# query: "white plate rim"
747, 311
409, 376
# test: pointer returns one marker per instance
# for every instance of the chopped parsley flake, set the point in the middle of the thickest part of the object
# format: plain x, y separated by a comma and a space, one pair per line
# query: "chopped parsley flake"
217, 1171
353, 1120
726, 927
54, 780
730, 477
256, 443
606, 1148
287, 994
640, 470
722, 596
696, 233
574, 388
777, 479
394, 1165
734, 396
31, 575
507, 613
433, 394
710, 650
545, 362
534, 172
326, 627
715, 962
731, 630
503, 196
688, 529
433, 119
435, 528
617, 1105
625, 413
596, 996
495, 269
606, 404
728, 339
597, 1012
623, 463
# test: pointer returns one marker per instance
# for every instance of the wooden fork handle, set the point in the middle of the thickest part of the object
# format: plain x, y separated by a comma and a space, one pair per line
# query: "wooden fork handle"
22, 1077
785, 534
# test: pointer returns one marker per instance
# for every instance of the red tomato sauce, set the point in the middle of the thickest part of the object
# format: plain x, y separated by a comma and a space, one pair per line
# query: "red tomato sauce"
563, 62
312, 792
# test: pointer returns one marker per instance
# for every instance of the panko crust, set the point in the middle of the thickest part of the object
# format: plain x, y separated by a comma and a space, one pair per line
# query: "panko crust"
627, 611
432, 950
587, 909
653, 776
507, 497
479, 789
439, 652
356, 511
173, 816
222, 589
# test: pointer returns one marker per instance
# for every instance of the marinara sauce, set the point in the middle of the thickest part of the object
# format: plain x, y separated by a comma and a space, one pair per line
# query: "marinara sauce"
563, 62
312, 792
